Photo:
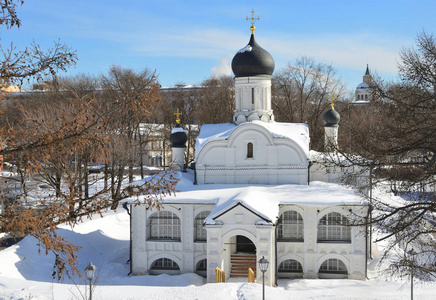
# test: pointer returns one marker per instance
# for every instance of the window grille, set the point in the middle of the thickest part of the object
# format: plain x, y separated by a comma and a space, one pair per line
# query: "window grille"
291, 226
334, 227
164, 225
200, 233
334, 266
290, 266
164, 264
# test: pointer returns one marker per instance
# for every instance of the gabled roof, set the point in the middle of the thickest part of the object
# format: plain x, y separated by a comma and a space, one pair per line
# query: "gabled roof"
214, 216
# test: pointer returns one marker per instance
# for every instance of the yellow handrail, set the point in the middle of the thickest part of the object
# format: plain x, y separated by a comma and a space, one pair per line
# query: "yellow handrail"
220, 275
250, 275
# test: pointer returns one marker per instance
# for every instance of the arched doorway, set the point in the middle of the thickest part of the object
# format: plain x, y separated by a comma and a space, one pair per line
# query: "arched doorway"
240, 254
244, 245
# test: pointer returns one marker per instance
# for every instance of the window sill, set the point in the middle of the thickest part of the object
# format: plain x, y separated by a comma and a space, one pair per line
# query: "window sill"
289, 241
163, 240
334, 272
333, 242
200, 241
289, 271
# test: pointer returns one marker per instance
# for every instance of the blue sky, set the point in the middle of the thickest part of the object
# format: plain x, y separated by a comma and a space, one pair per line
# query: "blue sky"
188, 41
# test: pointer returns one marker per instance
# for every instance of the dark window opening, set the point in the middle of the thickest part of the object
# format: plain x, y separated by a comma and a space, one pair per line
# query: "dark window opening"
250, 150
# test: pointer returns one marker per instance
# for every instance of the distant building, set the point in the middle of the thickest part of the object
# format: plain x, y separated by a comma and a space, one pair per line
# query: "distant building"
365, 91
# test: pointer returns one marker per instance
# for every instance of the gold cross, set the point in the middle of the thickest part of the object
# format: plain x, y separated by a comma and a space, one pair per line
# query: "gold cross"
252, 20
332, 98
178, 114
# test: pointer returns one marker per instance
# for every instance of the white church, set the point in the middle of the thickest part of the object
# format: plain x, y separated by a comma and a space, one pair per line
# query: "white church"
256, 190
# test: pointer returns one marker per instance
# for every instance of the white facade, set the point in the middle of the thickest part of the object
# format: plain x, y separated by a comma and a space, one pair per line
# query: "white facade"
253, 99
250, 153
249, 193
258, 213
184, 251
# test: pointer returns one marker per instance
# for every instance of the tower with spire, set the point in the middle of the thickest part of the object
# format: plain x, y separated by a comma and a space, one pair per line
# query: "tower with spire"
365, 90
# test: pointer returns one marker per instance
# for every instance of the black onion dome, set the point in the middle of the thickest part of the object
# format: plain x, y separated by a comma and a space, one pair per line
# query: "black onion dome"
252, 60
178, 137
331, 118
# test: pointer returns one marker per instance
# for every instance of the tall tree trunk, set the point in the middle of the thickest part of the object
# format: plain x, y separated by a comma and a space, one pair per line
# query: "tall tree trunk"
58, 184
86, 178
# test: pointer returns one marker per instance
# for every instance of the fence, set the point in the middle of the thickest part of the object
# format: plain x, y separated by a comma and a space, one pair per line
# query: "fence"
250, 275
220, 275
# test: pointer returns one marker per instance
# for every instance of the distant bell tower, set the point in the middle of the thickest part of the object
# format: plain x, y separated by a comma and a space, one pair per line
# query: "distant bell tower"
365, 90
253, 67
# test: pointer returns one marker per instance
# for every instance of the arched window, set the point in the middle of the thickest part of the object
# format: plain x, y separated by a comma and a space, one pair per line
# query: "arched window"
291, 226
290, 266
333, 266
201, 268
200, 233
164, 266
334, 227
366, 97
250, 150
164, 225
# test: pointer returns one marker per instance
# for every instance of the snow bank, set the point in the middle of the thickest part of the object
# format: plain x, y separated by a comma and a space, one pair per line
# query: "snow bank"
26, 275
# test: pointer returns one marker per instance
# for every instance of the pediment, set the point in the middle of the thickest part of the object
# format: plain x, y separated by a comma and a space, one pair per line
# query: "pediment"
240, 213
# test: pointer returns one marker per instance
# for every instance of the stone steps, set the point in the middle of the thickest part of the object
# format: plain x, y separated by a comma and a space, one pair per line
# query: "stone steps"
241, 262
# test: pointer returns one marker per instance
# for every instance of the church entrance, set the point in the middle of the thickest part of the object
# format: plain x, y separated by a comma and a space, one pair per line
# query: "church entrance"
238, 255
243, 257
244, 245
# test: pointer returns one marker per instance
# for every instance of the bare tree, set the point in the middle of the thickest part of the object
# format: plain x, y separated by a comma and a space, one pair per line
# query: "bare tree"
396, 138
216, 102
135, 94
300, 95
17, 66
67, 127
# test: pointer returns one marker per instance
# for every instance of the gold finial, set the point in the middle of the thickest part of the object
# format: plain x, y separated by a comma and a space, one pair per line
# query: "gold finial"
332, 98
178, 114
252, 20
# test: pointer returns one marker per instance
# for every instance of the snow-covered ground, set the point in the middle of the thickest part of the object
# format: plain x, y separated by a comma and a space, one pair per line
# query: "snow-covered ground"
26, 275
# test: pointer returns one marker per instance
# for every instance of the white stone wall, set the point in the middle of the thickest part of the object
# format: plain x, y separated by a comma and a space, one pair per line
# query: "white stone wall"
185, 253
253, 99
274, 161
352, 175
240, 221
311, 254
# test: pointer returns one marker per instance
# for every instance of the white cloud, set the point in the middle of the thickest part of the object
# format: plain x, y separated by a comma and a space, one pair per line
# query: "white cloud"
342, 51
223, 68
352, 51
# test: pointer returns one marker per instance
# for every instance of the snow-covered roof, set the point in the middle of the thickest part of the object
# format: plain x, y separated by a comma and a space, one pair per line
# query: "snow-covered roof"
363, 85
297, 132
336, 158
177, 129
264, 200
